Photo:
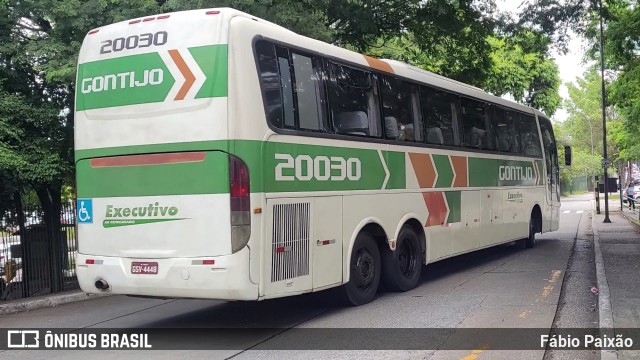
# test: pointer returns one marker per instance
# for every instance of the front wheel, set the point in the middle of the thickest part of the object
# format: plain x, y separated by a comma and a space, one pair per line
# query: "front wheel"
364, 274
529, 242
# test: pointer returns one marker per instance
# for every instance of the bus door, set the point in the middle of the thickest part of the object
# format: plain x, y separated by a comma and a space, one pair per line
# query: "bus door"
552, 171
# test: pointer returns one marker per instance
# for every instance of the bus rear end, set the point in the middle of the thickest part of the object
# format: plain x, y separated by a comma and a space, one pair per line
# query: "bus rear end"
163, 204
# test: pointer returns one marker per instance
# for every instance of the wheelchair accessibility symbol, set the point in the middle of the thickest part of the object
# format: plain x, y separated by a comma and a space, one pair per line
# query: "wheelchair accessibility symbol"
85, 211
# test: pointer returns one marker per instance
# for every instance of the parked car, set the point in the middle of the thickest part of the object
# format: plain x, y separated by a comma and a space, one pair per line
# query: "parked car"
6, 242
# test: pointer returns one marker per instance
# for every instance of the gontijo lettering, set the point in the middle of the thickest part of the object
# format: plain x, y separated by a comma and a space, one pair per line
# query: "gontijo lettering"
515, 173
122, 81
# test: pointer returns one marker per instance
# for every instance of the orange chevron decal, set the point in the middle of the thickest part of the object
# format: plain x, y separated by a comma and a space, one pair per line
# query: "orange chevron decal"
189, 78
437, 206
423, 167
460, 170
378, 64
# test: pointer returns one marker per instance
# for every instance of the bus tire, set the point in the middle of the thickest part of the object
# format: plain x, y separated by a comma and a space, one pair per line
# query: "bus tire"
402, 267
364, 274
529, 242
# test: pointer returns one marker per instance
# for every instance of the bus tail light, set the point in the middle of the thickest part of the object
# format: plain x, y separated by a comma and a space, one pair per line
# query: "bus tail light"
240, 206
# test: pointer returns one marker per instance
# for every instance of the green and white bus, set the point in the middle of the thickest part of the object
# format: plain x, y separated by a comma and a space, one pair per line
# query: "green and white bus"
222, 156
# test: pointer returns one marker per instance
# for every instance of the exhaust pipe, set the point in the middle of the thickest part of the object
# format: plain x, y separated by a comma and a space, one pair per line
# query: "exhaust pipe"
102, 285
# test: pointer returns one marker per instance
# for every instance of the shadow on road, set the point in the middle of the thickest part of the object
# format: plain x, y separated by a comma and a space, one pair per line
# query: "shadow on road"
290, 311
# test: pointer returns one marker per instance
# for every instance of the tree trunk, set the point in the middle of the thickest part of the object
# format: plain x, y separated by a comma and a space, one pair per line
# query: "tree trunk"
50, 199
24, 244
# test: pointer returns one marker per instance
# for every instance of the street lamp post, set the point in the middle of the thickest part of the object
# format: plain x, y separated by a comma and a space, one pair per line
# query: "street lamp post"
605, 162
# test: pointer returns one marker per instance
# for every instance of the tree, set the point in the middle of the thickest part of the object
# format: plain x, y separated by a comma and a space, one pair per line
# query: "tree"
39, 43
522, 67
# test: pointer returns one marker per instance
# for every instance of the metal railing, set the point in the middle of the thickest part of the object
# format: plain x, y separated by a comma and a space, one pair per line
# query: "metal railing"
32, 261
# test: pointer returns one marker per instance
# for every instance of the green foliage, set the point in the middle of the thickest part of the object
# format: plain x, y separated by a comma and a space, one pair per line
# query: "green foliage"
28, 141
584, 162
305, 17
584, 107
621, 20
361, 23
523, 69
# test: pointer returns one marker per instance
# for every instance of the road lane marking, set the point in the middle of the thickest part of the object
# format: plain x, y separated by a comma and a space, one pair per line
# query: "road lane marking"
474, 354
579, 211
524, 314
555, 274
566, 211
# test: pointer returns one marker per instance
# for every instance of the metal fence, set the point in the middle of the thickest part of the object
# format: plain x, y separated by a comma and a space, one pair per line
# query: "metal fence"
32, 261
579, 184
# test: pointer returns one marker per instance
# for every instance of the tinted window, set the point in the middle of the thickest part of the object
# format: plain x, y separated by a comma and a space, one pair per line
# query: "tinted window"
476, 125
507, 137
287, 91
352, 101
398, 119
292, 88
439, 116
307, 90
268, 68
551, 154
528, 130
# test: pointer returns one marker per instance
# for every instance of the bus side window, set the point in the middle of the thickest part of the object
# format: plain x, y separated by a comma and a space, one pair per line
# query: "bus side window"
550, 152
397, 107
476, 126
270, 81
353, 102
529, 134
286, 85
504, 125
308, 91
438, 116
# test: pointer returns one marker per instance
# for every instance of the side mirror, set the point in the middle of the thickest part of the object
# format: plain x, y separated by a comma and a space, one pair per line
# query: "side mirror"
567, 155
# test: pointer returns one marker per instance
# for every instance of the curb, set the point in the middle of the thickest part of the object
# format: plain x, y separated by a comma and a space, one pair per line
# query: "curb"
630, 219
48, 301
605, 314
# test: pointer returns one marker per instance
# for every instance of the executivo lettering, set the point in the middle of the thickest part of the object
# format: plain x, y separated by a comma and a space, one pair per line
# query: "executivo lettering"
126, 216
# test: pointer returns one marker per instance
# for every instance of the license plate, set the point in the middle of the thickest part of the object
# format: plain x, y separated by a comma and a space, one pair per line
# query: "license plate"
146, 267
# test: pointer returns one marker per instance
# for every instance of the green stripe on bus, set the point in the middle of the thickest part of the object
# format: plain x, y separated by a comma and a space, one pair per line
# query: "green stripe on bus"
301, 168
444, 170
454, 200
146, 78
498, 172
298, 168
213, 61
127, 80
207, 177
397, 169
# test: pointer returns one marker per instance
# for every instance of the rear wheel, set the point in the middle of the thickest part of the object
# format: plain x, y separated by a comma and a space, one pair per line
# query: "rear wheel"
364, 274
402, 267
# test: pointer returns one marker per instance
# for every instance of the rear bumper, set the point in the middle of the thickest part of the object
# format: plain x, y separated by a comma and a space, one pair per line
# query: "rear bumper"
227, 279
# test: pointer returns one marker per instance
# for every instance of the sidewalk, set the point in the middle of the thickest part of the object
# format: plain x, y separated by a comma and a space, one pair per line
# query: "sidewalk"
51, 300
617, 247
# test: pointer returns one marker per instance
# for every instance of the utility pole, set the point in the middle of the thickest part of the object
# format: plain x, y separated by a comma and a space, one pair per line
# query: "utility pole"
605, 161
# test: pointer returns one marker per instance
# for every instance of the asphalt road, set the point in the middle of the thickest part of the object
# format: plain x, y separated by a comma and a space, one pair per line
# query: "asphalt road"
502, 287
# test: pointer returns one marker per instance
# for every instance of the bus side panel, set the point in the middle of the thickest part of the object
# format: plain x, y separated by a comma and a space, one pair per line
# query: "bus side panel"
515, 214
471, 217
491, 217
